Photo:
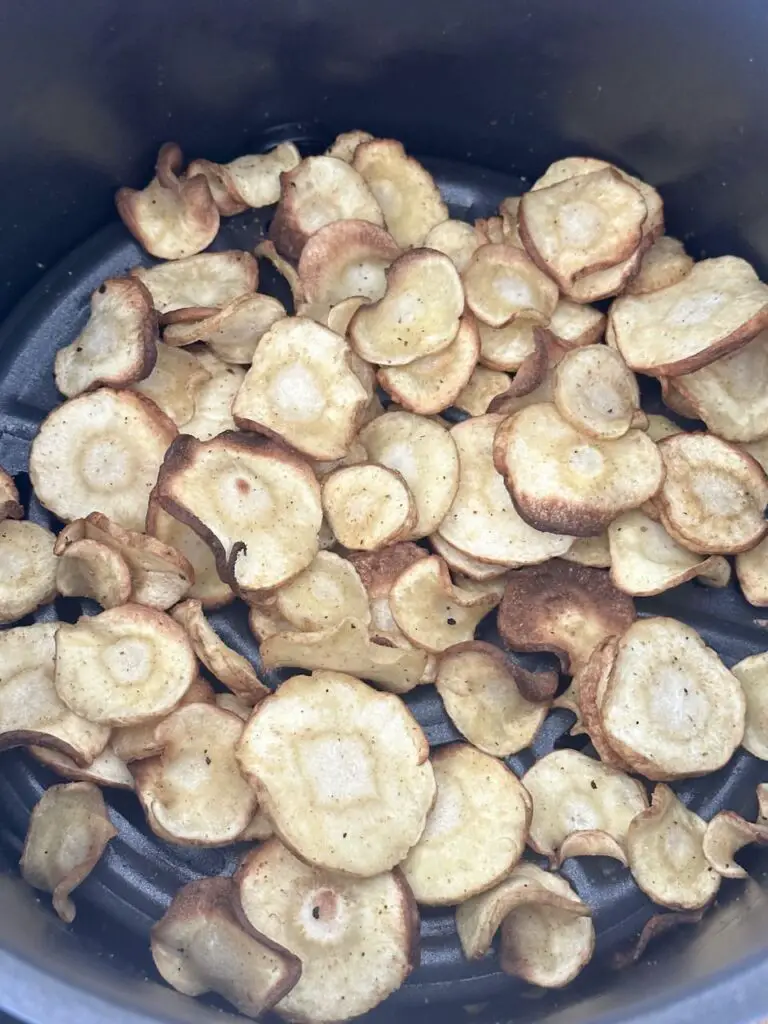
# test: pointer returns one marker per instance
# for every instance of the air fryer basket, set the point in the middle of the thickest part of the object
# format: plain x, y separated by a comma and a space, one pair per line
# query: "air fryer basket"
488, 93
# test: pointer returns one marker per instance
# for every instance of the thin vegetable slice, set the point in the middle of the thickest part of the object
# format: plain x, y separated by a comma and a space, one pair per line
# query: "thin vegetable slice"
465, 564
88, 568
503, 285
174, 383
248, 181
574, 325
344, 146
135, 742
27, 568
480, 390
368, 506
725, 835
664, 264
596, 392
645, 560
210, 280
457, 239
215, 398
106, 770
233, 333
328, 591
752, 673
344, 259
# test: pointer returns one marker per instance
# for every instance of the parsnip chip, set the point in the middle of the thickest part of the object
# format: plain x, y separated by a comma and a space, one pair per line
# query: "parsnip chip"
574, 325
174, 383
508, 210
378, 571
511, 401
660, 427
357, 938
655, 927
173, 216
475, 832
346, 647
209, 280
573, 793
123, 666
716, 309
457, 239
671, 709
135, 742
480, 390
342, 771
301, 387
715, 571
68, 832
88, 568
465, 564
355, 455
503, 285
328, 591
368, 506
591, 551
344, 259
585, 697
339, 318
645, 560
202, 944
215, 398
433, 383
27, 568
222, 187
752, 573
492, 229
482, 521
248, 181
233, 332
484, 695
100, 451
230, 668
264, 621
344, 146
118, 345
595, 392
419, 314
256, 504
725, 835
266, 250
193, 792
713, 496
564, 608
666, 856
562, 479
321, 190
752, 673
229, 702
664, 264
31, 712
106, 770
675, 400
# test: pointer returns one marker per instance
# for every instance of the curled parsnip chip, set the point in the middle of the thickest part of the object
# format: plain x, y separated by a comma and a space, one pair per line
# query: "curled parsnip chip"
419, 314
482, 521
124, 666
666, 856
645, 560
215, 398
193, 792
301, 388
328, 591
230, 668
88, 568
174, 383
233, 333
715, 572
10, 506
378, 571
671, 708
135, 742
713, 496
368, 506
210, 280
321, 190
338, 319
675, 400
584, 697
729, 394
100, 451
485, 697
503, 285
409, 198
68, 832
357, 938
592, 551
118, 344
457, 239
480, 390
725, 835
424, 454
202, 944
465, 564
562, 479
252, 180
573, 794
27, 568
492, 229
266, 250
106, 770
264, 621
432, 612
475, 832
344, 146
31, 712
342, 771
173, 216
433, 383
752, 673
596, 392
573, 325
255, 503
224, 193
716, 309
564, 608
344, 259
508, 347
655, 927
660, 427
514, 399
665, 263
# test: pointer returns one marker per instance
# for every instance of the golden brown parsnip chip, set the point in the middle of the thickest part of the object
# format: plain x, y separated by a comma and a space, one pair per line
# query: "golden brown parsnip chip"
480, 390
368, 506
328, 591
752, 673
27, 568
503, 285
233, 333
210, 280
725, 835
344, 146
645, 560
665, 263
457, 239
344, 259
596, 392
573, 325
88, 568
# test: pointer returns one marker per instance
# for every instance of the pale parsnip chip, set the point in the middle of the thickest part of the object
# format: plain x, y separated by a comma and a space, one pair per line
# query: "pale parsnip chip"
675, 400
574, 325
715, 572
508, 347
480, 390
215, 398
665, 263
465, 564
595, 392
344, 146
752, 673
233, 333
27, 568
223, 190
264, 621
585, 697
502, 285
328, 591
342, 771
106, 769
368, 506
248, 181
339, 318
174, 383
752, 574
344, 259
88, 568
210, 280
725, 835
378, 571
457, 239
591, 551
135, 742
645, 560
660, 427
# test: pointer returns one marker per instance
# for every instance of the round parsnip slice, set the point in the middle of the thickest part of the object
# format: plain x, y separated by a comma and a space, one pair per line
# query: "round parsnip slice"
480, 390
342, 771
419, 314
100, 451
502, 284
484, 695
562, 479
87, 568
465, 564
508, 347
645, 560
27, 568
193, 793
591, 551
124, 666
135, 742
68, 832
433, 383
425, 455
209, 280
368, 506
482, 521
118, 344
716, 309
106, 770
596, 392
256, 504
665, 263
344, 259
344, 146
327, 592
713, 496
572, 794
301, 388
475, 832
356, 938
409, 198
233, 333
666, 855
214, 398
174, 215
752, 673
319, 191
725, 835
230, 668
201, 944
671, 708
574, 325
457, 239
174, 383
31, 712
